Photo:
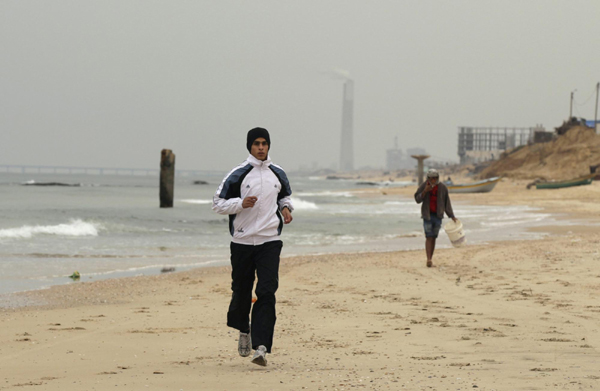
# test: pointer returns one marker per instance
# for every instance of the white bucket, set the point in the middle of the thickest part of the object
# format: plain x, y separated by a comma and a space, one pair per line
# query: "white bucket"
455, 233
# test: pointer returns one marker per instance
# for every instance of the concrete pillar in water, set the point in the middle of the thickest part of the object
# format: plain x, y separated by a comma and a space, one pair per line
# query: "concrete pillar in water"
167, 178
420, 170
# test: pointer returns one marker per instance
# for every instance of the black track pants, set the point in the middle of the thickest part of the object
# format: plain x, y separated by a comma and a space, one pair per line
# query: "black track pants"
245, 262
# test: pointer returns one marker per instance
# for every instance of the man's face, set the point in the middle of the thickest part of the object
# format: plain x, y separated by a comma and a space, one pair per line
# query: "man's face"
434, 180
260, 149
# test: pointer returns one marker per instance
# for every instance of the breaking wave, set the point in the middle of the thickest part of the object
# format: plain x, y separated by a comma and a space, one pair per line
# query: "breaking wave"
201, 202
73, 228
303, 205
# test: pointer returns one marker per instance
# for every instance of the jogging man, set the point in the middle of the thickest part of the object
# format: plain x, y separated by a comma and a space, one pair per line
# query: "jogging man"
256, 196
433, 195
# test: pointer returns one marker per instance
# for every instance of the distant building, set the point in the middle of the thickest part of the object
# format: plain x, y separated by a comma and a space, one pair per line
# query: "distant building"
479, 144
395, 159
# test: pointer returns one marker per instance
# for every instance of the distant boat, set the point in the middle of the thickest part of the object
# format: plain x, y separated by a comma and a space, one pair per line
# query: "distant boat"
484, 186
585, 180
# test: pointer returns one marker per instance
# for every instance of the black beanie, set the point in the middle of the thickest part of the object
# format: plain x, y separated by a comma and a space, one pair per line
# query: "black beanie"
255, 133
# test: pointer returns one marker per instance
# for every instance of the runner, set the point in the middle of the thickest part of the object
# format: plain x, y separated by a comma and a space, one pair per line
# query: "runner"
256, 196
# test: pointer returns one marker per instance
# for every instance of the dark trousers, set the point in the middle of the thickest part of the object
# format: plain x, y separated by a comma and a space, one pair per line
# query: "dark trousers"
245, 262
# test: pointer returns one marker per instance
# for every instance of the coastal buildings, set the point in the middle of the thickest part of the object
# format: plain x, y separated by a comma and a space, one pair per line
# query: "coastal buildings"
479, 144
396, 159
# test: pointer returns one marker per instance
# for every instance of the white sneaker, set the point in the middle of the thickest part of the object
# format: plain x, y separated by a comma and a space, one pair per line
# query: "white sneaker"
244, 344
260, 356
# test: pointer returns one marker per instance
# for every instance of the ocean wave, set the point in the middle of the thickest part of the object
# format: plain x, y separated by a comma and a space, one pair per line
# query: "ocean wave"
523, 221
201, 202
327, 194
325, 240
73, 228
300, 204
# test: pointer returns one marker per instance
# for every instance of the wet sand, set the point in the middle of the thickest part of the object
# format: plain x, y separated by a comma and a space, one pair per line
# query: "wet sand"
520, 315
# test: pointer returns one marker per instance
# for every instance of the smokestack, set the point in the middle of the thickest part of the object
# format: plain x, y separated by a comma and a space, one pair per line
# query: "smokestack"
347, 145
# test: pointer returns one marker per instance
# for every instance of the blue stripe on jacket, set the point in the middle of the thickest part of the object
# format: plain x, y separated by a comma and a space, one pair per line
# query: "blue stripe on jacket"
232, 189
286, 190
233, 183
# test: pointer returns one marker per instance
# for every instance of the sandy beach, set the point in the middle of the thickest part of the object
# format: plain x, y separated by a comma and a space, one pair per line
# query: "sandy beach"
519, 315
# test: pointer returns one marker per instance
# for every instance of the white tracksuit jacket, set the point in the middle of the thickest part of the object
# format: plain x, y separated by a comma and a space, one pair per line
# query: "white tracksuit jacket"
269, 184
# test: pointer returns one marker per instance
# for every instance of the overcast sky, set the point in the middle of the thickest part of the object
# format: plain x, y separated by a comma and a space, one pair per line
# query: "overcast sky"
111, 83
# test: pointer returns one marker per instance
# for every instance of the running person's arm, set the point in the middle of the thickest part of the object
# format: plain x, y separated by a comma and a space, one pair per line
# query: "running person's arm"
286, 208
286, 202
227, 199
226, 206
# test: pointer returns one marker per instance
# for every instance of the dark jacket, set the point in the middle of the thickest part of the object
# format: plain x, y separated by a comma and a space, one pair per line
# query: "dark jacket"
443, 202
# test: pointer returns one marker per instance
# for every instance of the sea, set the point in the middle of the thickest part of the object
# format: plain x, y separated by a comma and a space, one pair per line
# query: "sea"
110, 226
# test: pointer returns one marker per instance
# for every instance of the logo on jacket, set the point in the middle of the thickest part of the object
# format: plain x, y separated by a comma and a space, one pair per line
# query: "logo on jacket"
241, 230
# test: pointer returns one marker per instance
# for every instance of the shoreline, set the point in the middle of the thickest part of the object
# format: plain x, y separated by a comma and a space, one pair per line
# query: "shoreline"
23, 299
35, 298
406, 191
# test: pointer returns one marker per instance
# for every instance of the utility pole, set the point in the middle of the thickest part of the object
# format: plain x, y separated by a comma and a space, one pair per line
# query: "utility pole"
596, 114
571, 108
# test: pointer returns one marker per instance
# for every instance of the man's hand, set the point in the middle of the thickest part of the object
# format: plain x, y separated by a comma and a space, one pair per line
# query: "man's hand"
428, 187
287, 216
454, 219
249, 202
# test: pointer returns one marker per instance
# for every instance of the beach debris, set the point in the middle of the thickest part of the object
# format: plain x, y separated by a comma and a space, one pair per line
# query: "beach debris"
167, 270
367, 183
75, 276
34, 183
428, 357
200, 183
535, 182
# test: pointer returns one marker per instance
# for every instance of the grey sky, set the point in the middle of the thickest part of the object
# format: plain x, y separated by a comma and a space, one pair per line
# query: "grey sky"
111, 83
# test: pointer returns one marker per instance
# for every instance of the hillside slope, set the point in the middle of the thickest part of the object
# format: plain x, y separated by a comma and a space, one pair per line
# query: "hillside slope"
568, 156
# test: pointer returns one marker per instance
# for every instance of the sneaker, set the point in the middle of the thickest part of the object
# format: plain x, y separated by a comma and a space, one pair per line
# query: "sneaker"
260, 356
244, 344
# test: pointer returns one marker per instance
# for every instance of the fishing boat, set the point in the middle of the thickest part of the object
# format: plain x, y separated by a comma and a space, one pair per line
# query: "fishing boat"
584, 180
484, 186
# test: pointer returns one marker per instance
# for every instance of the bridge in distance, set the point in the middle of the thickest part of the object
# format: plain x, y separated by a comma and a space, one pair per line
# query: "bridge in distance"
26, 169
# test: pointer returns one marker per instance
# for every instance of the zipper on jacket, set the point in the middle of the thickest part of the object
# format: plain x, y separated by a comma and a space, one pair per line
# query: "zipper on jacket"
261, 193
